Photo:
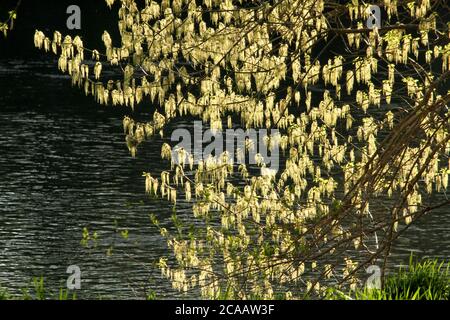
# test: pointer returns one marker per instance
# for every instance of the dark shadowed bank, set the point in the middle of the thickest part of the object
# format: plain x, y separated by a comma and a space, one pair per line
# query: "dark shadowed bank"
49, 16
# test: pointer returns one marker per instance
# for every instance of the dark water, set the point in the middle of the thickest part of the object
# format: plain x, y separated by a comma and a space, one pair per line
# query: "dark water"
64, 166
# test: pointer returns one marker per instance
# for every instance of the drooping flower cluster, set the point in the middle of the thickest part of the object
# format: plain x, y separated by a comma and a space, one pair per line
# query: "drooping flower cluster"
258, 62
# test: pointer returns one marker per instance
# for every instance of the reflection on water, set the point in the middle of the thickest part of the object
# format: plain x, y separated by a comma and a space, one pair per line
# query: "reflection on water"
64, 166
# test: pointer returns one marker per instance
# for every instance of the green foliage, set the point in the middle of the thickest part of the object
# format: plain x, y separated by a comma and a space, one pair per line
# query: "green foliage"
87, 239
37, 292
124, 234
425, 280
4, 295
151, 295
39, 288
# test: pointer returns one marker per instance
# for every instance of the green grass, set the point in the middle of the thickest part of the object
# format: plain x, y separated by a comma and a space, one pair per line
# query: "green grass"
424, 280
4, 294
37, 291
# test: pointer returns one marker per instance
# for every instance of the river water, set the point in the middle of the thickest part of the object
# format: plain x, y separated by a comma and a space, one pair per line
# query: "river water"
64, 166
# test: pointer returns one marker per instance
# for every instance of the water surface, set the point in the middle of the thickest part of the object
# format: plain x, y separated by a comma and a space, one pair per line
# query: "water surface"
64, 166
